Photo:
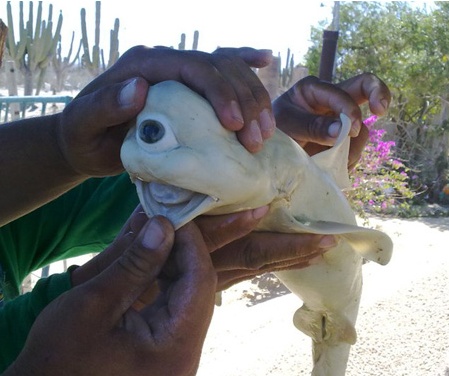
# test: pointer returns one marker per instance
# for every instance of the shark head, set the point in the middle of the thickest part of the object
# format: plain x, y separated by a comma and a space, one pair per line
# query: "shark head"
183, 162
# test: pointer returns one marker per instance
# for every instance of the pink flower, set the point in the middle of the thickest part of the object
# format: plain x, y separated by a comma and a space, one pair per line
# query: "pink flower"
369, 121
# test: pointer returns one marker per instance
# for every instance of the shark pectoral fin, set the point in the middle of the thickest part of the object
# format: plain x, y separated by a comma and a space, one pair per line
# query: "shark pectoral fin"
370, 244
335, 160
309, 322
344, 330
329, 327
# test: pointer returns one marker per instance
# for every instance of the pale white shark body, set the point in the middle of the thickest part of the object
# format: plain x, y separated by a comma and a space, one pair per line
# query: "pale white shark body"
184, 164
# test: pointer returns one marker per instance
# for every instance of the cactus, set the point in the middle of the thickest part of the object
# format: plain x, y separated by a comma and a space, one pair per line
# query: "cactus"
291, 73
96, 64
3, 35
114, 44
182, 44
277, 80
196, 37
34, 51
62, 65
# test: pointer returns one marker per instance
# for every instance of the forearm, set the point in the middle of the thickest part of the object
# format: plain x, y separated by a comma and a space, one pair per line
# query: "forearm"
32, 168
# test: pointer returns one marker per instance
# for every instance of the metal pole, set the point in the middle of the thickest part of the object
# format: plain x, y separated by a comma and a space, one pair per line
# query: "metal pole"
329, 50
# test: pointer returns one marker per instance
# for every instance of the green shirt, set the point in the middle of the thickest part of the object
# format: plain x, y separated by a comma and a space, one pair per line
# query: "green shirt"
82, 221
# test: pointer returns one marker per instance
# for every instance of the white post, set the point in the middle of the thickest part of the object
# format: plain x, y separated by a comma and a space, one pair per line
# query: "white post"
14, 108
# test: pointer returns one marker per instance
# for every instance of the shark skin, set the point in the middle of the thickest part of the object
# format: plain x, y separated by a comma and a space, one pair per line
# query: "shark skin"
184, 164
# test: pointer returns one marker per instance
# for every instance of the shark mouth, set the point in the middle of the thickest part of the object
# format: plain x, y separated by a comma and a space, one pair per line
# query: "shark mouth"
177, 204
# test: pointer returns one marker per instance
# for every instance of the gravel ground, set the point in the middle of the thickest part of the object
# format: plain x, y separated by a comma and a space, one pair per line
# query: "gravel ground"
403, 324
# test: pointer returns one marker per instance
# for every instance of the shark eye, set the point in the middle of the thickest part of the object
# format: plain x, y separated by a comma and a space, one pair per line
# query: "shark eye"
155, 134
151, 131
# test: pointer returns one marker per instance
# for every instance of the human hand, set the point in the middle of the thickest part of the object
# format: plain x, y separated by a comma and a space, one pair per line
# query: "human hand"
94, 328
239, 253
309, 111
94, 124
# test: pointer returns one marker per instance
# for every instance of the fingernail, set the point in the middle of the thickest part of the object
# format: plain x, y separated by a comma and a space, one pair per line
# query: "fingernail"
355, 128
127, 94
260, 212
236, 113
334, 129
154, 234
327, 241
267, 124
254, 131
315, 260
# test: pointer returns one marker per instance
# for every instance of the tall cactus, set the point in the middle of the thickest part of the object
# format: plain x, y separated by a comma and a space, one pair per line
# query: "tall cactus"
96, 64
61, 65
34, 50
114, 44
196, 37
182, 43
3, 36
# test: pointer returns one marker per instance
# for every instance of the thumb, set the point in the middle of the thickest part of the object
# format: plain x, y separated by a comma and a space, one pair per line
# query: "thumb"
120, 285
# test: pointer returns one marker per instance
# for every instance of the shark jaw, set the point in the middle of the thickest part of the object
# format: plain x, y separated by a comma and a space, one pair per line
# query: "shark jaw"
177, 204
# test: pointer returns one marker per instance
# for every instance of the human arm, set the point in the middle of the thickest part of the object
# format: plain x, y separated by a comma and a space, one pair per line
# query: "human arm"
84, 220
129, 341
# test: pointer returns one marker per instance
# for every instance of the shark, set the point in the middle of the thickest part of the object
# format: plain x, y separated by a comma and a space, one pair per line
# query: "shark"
184, 163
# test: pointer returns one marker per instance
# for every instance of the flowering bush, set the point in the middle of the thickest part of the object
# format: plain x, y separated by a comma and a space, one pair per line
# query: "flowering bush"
380, 181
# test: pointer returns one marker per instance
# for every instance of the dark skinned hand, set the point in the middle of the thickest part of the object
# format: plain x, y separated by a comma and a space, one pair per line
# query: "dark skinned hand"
95, 329
309, 111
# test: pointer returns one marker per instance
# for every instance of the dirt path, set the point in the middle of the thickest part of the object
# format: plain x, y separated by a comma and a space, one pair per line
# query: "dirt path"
403, 324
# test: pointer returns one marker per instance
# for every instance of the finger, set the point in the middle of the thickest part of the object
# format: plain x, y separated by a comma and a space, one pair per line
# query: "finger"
367, 87
310, 95
235, 101
257, 58
260, 250
230, 277
119, 286
185, 309
123, 240
220, 230
306, 128
148, 297
114, 104
100, 120
193, 68
357, 147
233, 63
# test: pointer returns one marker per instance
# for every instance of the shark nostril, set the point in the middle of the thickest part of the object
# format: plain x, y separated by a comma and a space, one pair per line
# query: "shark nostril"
168, 194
